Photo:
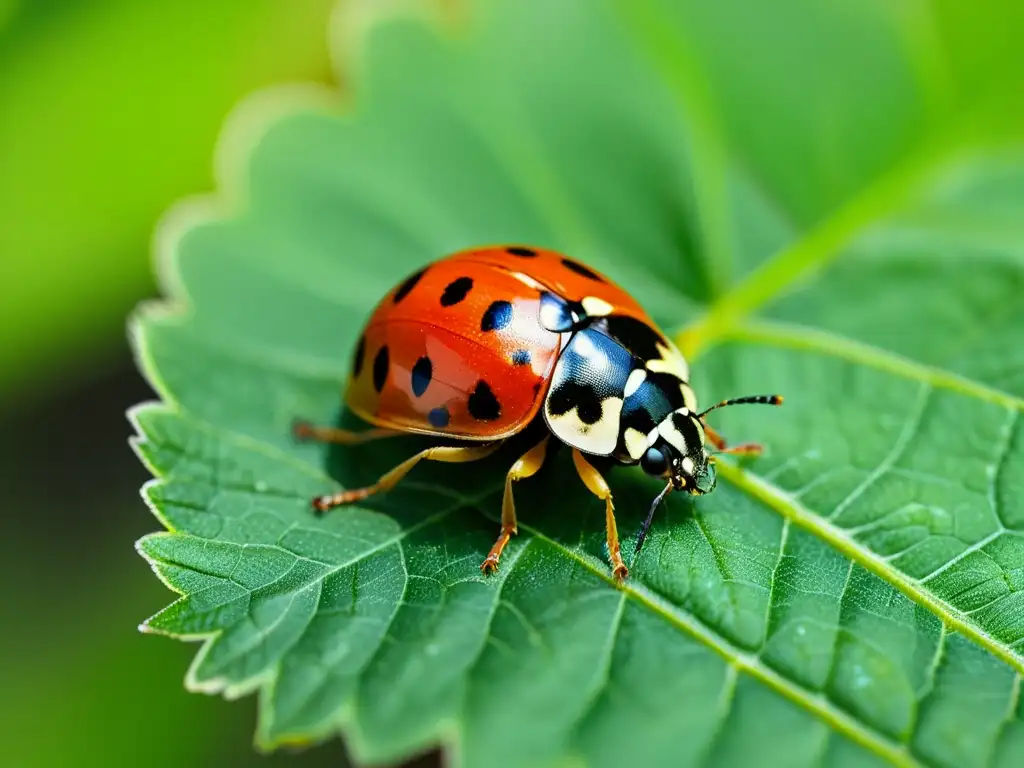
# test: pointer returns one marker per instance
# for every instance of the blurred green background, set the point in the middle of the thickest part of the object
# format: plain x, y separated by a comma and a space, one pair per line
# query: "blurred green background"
109, 112
97, 98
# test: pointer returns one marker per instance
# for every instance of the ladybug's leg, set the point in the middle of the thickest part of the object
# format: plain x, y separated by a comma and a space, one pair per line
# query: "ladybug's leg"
527, 466
303, 430
451, 455
747, 449
596, 485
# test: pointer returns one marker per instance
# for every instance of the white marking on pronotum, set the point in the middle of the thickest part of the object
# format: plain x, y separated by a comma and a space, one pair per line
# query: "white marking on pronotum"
636, 443
599, 438
688, 465
670, 361
595, 307
636, 378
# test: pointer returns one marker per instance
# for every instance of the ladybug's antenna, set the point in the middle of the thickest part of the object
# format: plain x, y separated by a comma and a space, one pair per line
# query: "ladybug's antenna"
751, 400
650, 516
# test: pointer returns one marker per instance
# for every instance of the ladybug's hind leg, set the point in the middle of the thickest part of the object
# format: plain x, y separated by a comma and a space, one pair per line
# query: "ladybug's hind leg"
303, 430
747, 449
527, 466
597, 485
450, 455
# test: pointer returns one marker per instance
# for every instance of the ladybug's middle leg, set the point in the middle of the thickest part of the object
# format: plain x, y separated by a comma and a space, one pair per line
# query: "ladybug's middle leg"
747, 449
450, 455
527, 466
596, 485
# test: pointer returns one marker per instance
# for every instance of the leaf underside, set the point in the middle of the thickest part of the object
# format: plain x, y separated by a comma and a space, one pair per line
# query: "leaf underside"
832, 232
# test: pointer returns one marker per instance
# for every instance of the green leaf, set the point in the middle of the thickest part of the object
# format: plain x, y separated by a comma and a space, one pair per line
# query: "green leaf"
819, 225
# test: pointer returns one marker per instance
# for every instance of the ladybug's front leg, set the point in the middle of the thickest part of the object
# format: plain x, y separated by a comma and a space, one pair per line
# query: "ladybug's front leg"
527, 466
747, 449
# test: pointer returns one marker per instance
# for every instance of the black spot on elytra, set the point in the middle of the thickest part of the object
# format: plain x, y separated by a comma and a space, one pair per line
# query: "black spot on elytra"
526, 253
456, 291
407, 285
497, 316
579, 269
581, 396
380, 368
483, 405
439, 417
635, 335
359, 356
521, 357
422, 372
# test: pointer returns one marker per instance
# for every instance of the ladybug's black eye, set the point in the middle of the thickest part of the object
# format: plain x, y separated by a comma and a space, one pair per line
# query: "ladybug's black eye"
654, 462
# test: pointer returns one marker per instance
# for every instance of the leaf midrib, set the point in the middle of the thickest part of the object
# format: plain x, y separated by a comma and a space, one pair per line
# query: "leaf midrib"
799, 337
825, 241
802, 337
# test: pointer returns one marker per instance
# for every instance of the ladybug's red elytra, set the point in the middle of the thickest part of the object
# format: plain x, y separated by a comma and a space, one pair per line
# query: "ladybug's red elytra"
473, 346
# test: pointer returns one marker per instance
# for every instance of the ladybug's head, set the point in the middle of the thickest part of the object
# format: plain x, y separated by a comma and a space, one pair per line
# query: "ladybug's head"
676, 453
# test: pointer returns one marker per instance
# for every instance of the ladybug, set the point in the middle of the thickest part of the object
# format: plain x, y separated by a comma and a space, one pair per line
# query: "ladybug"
481, 344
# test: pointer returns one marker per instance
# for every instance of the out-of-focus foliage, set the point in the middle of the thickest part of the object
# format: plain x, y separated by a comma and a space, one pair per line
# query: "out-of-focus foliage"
108, 111
826, 197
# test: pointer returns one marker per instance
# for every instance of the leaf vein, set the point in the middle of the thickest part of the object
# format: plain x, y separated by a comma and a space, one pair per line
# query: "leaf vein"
726, 702
816, 703
804, 338
783, 541
787, 506
911, 426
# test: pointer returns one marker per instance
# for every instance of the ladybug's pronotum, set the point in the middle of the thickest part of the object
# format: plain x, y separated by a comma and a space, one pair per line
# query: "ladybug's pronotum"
472, 347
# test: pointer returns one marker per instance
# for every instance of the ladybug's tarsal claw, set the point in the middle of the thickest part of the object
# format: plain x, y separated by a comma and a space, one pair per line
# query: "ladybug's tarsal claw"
489, 566
620, 573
